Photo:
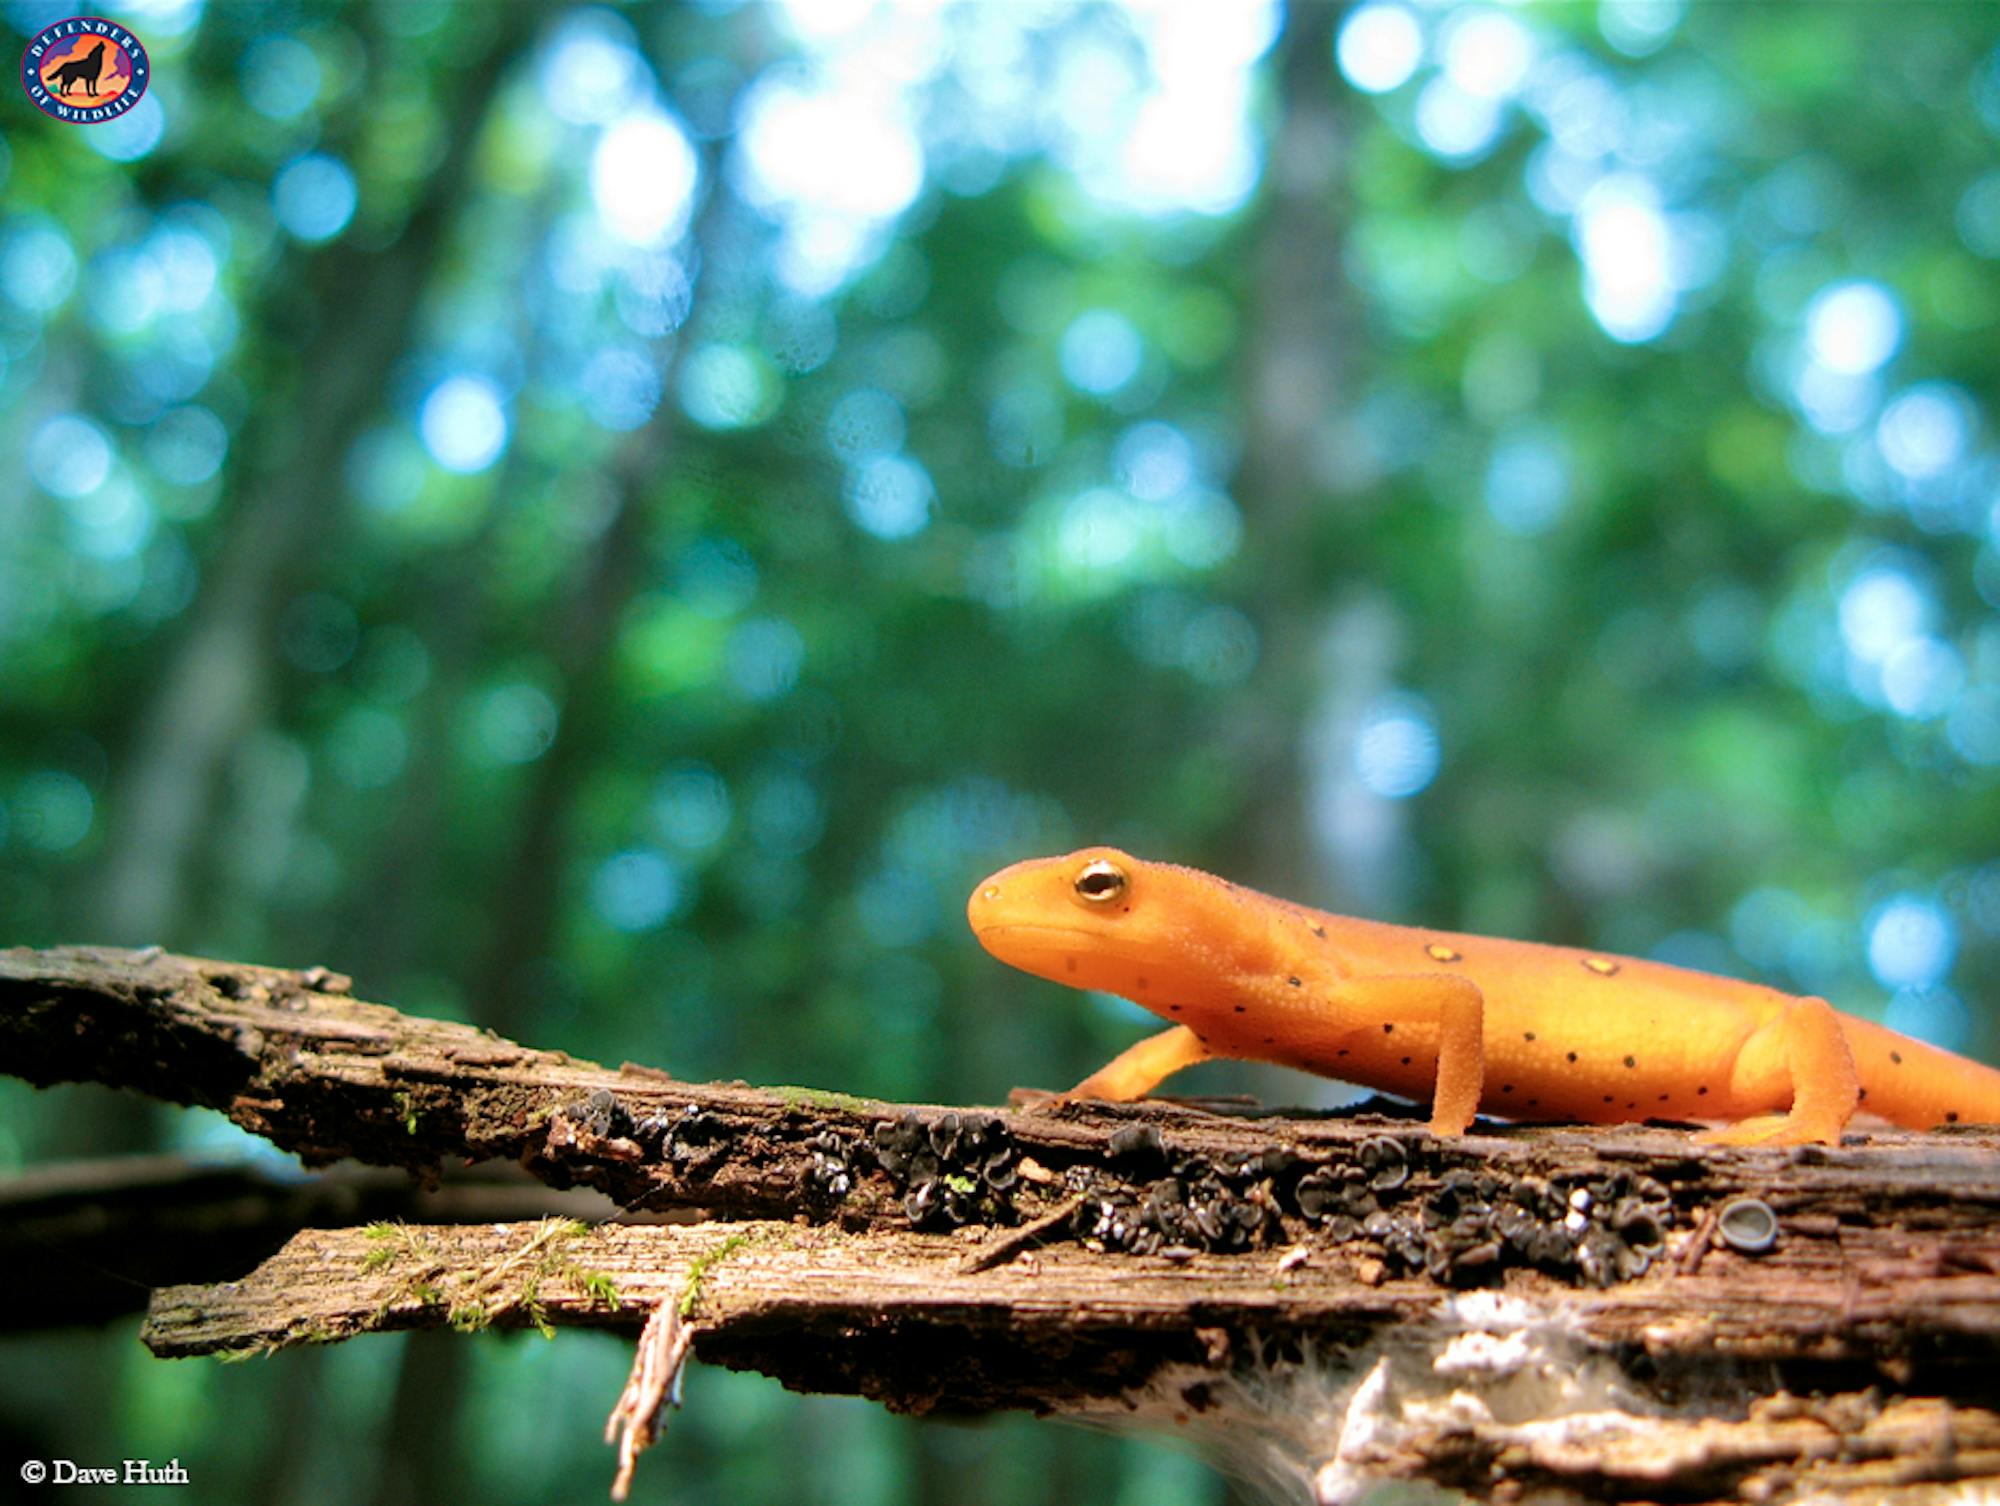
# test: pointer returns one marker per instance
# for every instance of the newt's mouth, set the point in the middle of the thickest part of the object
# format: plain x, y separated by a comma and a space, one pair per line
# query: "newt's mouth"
1005, 938
1074, 955
1079, 934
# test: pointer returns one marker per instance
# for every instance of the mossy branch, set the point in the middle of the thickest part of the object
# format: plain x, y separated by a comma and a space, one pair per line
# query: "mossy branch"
1080, 1259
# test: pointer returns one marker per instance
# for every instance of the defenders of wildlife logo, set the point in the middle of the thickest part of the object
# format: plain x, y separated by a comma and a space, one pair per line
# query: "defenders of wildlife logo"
84, 70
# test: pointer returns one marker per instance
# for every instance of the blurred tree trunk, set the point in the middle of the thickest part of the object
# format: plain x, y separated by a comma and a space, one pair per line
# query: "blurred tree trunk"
1322, 659
420, 1459
1310, 829
217, 679
1329, 651
581, 636
390, 922
529, 879
286, 1474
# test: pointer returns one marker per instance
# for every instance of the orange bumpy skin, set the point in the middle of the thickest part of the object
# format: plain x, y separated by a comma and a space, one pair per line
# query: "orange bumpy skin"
1472, 1023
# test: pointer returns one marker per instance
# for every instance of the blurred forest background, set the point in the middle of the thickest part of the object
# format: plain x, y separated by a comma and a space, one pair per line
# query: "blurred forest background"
606, 521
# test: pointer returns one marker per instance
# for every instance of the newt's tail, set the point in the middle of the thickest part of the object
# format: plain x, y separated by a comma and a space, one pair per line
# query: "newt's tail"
1919, 1086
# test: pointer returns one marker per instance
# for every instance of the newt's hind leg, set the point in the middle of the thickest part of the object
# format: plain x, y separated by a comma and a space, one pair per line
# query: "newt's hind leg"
1825, 1086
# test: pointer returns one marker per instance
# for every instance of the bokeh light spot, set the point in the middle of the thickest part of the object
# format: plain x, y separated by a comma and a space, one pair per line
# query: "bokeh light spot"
642, 178
514, 723
891, 496
52, 810
591, 70
636, 890
1528, 483
1487, 53
132, 135
280, 77
1853, 327
690, 809
1379, 47
69, 456
464, 424
1396, 751
314, 196
620, 388
1911, 942
1622, 237
763, 657
1926, 430
729, 387
1101, 352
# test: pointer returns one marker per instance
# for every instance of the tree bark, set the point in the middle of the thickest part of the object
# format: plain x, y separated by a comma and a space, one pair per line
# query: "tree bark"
1619, 1312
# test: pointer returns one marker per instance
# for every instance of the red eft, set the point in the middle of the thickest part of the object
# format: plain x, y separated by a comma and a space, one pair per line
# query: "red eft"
1473, 1023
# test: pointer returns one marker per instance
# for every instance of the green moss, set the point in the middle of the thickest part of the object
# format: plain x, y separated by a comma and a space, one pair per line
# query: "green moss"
475, 1299
705, 1262
798, 1099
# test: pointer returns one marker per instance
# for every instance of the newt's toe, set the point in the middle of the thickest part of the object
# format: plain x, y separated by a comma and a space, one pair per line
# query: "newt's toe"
1773, 1129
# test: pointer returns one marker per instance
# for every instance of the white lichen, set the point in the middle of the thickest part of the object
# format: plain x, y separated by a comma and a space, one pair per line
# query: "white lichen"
1322, 1426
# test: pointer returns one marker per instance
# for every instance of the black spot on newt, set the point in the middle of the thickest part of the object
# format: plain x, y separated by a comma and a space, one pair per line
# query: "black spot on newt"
1506, 1087
1270, 1040
1406, 1062
1701, 1092
1175, 1008
1342, 1051
1863, 1098
1631, 1062
1316, 928
1240, 1008
1952, 1117
1663, 1098
1388, 1029
1896, 1057
1607, 1098
1572, 1056
1293, 981
1527, 1035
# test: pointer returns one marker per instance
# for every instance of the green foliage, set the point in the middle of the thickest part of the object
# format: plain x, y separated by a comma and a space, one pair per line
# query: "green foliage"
1386, 575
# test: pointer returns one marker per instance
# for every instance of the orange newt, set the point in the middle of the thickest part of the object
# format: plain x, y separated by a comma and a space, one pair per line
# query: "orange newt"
1513, 1028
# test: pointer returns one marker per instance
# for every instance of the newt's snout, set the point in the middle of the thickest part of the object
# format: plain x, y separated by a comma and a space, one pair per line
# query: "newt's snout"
1058, 918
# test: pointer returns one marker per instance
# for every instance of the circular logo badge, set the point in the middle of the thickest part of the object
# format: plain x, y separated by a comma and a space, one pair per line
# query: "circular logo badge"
84, 70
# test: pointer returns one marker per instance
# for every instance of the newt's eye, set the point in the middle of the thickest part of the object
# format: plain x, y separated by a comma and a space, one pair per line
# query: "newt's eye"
1100, 882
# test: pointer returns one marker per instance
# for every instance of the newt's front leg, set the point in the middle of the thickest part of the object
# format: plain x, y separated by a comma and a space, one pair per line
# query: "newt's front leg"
1137, 1070
1452, 1003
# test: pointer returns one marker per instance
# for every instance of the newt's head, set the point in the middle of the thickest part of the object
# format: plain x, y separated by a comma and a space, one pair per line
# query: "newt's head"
1100, 918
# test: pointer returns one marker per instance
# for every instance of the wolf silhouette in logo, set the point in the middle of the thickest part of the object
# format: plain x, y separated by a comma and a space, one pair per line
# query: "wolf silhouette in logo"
86, 70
